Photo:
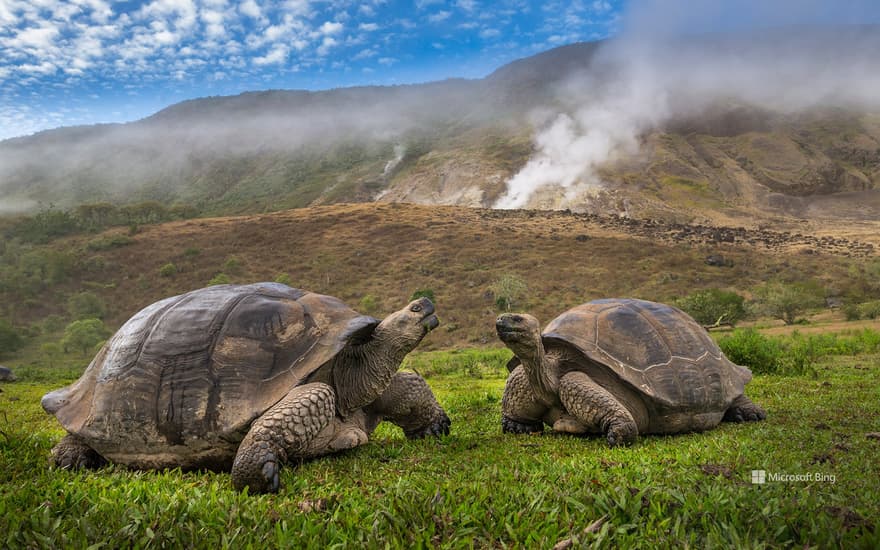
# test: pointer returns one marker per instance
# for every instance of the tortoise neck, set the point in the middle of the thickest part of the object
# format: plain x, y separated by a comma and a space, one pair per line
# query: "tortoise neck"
540, 367
363, 372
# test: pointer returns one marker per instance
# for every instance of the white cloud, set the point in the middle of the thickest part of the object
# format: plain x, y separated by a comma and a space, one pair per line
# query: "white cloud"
387, 61
487, 34
466, 5
368, 27
329, 28
422, 4
275, 56
251, 9
365, 54
442, 15
326, 45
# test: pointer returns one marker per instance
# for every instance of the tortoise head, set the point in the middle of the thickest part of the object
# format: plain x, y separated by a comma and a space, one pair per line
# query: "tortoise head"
410, 324
520, 332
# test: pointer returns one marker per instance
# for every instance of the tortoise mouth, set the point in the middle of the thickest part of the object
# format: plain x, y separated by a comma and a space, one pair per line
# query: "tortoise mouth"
430, 322
509, 333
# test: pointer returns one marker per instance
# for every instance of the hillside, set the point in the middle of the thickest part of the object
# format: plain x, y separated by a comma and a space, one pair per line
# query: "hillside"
375, 256
458, 142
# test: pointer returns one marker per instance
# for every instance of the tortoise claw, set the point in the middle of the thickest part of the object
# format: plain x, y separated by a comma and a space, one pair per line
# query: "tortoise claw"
511, 426
440, 426
622, 435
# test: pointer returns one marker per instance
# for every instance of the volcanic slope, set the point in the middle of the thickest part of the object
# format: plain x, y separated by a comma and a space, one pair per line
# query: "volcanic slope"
375, 256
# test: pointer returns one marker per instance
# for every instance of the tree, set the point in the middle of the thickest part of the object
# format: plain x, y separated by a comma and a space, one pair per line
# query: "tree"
713, 307
10, 340
86, 305
52, 351
83, 335
787, 301
509, 289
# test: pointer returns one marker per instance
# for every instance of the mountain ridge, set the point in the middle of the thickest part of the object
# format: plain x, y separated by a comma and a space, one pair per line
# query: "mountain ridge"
457, 142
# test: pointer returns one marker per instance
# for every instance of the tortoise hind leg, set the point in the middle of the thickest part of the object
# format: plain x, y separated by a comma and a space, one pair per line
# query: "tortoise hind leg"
595, 408
73, 453
284, 431
743, 410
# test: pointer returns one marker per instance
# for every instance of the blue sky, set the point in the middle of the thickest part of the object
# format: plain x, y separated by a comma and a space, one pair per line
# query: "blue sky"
85, 61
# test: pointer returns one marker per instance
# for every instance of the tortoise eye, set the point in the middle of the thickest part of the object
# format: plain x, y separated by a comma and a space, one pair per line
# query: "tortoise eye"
416, 308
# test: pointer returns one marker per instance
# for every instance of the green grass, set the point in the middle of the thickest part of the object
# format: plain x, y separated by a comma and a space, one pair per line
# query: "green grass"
478, 487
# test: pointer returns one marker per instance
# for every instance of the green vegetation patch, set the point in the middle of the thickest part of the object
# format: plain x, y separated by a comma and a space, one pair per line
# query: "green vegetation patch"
480, 488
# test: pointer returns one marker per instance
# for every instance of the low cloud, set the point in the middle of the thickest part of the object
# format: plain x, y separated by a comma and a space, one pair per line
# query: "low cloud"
759, 54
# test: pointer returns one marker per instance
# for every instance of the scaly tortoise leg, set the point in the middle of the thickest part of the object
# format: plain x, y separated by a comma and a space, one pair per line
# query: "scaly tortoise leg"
73, 453
743, 410
284, 431
595, 408
521, 411
410, 403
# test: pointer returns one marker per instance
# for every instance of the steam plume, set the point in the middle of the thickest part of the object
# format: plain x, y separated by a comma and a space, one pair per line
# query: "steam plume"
769, 55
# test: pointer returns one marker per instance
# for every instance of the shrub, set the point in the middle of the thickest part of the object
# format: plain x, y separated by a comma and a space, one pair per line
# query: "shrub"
869, 310
752, 349
168, 270
83, 335
232, 265
10, 340
86, 305
283, 278
714, 306
509, 291
787, 301
108, 242
423, 293
368, 304
219, 279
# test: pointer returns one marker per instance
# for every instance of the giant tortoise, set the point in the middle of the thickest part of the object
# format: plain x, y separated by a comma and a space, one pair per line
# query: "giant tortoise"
619, 367
245, 377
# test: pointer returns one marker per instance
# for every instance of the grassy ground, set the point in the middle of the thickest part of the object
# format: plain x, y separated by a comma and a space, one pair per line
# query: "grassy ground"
478, 487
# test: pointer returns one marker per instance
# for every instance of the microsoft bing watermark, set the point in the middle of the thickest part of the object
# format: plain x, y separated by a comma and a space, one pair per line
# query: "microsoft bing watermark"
760, 477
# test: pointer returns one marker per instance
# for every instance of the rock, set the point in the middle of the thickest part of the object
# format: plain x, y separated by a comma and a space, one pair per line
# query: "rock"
6, 374
718, 260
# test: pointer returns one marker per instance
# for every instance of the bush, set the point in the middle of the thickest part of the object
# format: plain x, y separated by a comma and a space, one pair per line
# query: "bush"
869, 310
787, 301
219, 279
86, 305
509, 291
232, 265
752, 349
714, 307
168, 270
108, 242
10, 340
423, 293
84, 335
284, 279
368, 304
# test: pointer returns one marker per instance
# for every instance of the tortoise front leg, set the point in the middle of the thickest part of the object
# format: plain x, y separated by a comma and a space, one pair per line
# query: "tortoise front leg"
283, 432
410, 403
521, 410
595, 408
73, 453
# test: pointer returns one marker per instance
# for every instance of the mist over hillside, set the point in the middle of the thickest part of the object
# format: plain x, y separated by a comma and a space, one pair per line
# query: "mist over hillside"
753, 122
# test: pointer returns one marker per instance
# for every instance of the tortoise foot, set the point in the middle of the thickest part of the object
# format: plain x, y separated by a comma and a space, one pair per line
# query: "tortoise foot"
72, 453
439, 426
623, 434
743, 410
511, 426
